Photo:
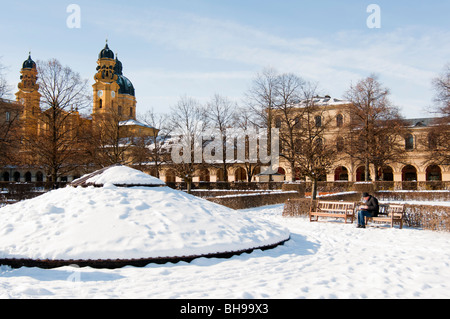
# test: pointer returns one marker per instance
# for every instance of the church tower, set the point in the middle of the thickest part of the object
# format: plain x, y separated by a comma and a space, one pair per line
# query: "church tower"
28, 94
113, 92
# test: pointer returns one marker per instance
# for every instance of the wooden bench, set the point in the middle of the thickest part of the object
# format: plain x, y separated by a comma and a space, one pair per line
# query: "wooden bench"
344, 210
390, 214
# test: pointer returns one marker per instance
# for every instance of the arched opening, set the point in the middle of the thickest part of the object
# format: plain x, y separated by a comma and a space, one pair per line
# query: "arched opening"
16, 177
39, 177
386, 174
409, 174
170, 176
28, 177
204, 175
298, 174
5, 177
341, 174
240, 175
361, 174
434, 173
220, 175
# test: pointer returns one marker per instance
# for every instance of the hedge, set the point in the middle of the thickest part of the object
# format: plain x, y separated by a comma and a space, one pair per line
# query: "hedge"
250, 201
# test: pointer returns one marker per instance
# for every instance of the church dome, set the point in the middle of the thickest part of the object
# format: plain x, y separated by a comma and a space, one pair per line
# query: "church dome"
29, 63
118, 67
106, 53
125, 85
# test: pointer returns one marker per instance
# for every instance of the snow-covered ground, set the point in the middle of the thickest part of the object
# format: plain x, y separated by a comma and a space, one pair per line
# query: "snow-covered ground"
321, 260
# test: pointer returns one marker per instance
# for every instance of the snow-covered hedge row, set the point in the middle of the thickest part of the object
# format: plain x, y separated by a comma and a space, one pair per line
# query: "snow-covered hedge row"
254, 200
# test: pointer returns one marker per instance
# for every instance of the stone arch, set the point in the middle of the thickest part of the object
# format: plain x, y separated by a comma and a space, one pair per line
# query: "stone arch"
16, 177
409, 173
434, 173
170, 176
386, 174
204, 175
39, 177
341, 173
5, 176
28, 177
360, 174
240, 174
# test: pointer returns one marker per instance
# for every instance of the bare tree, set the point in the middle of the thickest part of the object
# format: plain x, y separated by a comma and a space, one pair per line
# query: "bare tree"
219, 113
261, 98
188, 125
154, 147
9, 130
376, 128
315, 153
244, 122
107, 144
9, 119
56, 143
4, 86
438, 139
288, 116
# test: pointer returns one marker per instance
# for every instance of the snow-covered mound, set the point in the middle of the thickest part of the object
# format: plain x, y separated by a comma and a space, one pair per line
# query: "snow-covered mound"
127, 223
118, 175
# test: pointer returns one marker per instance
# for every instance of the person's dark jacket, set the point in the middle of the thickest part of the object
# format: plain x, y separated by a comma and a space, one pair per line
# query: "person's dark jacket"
373, 207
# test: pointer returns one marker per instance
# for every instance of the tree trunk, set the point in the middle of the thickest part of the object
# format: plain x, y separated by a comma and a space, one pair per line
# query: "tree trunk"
314, 189
366, 168
188, 181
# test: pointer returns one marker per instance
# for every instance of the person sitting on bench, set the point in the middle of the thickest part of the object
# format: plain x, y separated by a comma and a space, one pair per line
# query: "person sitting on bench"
369, 209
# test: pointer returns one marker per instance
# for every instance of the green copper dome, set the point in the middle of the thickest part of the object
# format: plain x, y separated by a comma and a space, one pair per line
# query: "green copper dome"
106, 53
29, 63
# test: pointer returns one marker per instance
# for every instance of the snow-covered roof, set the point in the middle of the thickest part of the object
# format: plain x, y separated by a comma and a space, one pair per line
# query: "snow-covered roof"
323, 101
131, 122
118, 175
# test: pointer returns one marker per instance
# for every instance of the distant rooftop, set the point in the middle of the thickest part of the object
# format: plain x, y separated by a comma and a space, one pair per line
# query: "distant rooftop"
323, 101
420, 122
133, 122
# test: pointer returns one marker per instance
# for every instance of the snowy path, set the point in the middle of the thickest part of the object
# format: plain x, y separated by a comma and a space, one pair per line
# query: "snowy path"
322, 260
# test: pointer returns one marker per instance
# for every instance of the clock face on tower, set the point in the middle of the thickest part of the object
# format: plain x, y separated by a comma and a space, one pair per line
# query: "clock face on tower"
113, 94
100, 93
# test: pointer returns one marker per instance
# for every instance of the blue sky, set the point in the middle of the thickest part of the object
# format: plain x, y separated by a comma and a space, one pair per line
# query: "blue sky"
199, 48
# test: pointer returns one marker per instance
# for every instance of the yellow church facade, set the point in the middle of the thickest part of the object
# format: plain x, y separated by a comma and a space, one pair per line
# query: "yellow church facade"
113, 97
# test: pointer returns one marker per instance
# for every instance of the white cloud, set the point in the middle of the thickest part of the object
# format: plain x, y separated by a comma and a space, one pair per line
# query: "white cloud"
403, 55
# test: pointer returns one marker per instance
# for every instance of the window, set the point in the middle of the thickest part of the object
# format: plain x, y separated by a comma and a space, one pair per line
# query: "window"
340, 144
409, 142
131, 112
318, 145
318, 120
432, 141
8, 116
339, 120
278, 122
119, 110
297, 122
100, 104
